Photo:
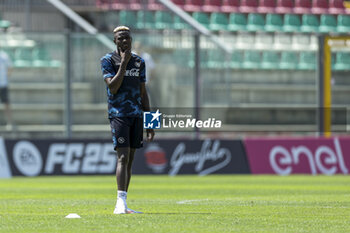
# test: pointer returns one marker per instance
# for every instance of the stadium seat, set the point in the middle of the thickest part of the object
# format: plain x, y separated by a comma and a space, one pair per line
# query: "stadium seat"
256, 22
23, 57
284, 6
270, 60
41, 58
202, 18
179, 3
328, 23
164, 20
229, 6
236, 60
237, 22
249, 6
103, 4
310, 23
218, 21
274, 22
319, 6
289, 60
211, 5
252, 60
267, 6
5, 24
136, 4
216, 59
154, 5
120, 4
342, 61
307, 61
303, 6
336, 7
291, 23
128, 18
343, 23
145, 20
180, 24
193, 5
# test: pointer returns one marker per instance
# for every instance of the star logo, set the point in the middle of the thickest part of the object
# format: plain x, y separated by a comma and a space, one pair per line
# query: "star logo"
156, 115
151, 120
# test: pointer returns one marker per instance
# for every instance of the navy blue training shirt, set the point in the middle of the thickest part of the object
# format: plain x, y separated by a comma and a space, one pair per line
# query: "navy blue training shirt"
127, 101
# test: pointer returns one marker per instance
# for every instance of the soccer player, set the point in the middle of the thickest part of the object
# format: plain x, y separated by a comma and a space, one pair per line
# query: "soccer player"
125, 75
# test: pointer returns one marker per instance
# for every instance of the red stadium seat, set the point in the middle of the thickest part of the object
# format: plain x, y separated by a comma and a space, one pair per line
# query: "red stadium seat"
211, 5
319, 6
230, 6
303, 6
154, 5
249, 6
336, 7
120, 4
267, 6
285, 6
136, 4
179, 3
193, 5
104, 4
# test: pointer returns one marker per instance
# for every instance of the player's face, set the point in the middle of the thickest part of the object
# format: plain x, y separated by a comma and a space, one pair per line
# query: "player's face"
123, 40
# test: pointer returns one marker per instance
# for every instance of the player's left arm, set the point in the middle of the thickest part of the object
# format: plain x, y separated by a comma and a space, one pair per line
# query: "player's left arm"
146, 108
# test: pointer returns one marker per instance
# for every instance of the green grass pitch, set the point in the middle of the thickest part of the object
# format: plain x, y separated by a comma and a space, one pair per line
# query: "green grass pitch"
216, 203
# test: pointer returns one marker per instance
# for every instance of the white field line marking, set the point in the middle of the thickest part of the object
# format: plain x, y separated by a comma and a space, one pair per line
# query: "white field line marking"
190, 201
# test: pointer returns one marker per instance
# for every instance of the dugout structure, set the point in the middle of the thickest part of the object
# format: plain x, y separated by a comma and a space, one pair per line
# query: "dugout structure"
326, 44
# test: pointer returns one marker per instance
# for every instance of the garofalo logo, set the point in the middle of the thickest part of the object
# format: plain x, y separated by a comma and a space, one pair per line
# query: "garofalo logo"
212, 157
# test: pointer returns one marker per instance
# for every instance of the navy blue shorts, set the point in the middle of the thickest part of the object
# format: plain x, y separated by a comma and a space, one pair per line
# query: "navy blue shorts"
4, 96
127, 132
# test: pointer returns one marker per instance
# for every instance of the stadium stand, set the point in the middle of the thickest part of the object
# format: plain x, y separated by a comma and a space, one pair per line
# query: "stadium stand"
230, 6
267, 6
284, 6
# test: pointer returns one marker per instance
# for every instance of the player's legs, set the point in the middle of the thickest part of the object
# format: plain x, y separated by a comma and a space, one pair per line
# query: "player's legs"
131, 159
122, 171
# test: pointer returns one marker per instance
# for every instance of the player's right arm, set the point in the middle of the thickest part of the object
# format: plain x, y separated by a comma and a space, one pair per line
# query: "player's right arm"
115, 82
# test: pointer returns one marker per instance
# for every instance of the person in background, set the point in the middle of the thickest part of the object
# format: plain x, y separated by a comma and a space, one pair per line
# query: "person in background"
5, 69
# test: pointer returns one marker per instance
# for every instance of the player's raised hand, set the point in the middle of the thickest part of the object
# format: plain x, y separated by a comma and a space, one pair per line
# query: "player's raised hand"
150, 134
125, 55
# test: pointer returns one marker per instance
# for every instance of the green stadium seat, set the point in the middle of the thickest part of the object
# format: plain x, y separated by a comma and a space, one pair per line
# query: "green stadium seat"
236, 60
180, 24
289, 60
343, 23
342, 61
310, 23
217, 59
256, 22
307, 61
10, 52
164, 20
328, 23
237, 22
218, 21
128, 18
203, 59
274, 22
252, 60
41, 58
270, 60
291, 23
23, 57
202, 18
145, 20
5, 24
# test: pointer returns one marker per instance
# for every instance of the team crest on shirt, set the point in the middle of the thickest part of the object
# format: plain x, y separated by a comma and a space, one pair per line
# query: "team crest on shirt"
121, 140
137, 63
